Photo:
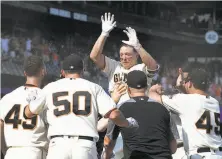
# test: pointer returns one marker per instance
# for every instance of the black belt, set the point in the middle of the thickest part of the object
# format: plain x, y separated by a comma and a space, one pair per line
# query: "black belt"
80, 137
206, 149
180, 144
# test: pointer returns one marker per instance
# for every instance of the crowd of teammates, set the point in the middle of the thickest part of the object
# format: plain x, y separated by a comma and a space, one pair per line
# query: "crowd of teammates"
70, 113
117, 73
65, 111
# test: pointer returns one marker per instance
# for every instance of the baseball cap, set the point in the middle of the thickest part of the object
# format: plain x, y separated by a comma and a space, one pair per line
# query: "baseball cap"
199, 76
136, 79
73, 62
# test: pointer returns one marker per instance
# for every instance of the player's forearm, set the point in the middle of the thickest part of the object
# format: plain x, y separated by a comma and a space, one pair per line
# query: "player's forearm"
102, 125
147, 59
118, 118
109, 147
173, 146
115, 98
96, 53
28, 113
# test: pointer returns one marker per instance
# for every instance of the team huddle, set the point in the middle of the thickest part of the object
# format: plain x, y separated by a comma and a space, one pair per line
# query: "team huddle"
60, 121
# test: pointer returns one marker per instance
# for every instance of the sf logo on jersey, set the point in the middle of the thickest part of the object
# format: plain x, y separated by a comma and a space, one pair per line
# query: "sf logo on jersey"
120, 77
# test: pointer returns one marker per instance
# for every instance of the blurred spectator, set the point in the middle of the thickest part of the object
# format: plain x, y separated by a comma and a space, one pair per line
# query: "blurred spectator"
45, 51
55, 59
5, 44
28, 45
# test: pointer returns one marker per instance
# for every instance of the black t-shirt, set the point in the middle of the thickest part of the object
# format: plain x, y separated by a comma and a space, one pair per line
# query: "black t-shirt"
153, 136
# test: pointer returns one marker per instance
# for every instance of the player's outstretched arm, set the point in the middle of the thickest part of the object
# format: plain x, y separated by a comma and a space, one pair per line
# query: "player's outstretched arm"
173, 103
108, 25
118, 118
107, 108
133, 41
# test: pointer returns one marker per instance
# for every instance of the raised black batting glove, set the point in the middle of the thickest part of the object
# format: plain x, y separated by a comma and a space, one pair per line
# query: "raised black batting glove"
132, 123
108, 24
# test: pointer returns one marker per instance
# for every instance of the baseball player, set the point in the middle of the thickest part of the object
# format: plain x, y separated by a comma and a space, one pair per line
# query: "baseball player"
199, 113
117, 71
129, 52
73, 105
24, 137
113, 133
180, 153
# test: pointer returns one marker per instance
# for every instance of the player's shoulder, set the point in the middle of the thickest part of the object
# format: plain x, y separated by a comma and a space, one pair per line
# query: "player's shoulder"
13, 93
175, 96
50, 86
6, 97
211, 103
92, 85
213, 99
125, 103
139, 66
204, 98
9, 99
111, 60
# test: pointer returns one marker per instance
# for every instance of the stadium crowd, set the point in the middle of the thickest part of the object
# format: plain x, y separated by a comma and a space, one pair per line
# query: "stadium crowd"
15, 48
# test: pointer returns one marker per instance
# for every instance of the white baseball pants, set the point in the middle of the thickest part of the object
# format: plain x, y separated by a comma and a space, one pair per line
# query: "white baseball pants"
179, 154
25, 153
71, 148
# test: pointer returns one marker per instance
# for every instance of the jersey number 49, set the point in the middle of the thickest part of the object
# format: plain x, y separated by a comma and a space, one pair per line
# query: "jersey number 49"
13, 117
205, 122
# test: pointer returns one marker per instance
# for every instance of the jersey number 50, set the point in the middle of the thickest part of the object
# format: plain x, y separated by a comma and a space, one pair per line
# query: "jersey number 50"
72, 106
205, 122
13, 117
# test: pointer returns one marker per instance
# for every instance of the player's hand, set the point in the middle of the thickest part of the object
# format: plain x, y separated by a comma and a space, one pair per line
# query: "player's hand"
133, 40
119, 90
106, 155
32, 95
132, 123
156, 88
179, 79
108, 23
36, 100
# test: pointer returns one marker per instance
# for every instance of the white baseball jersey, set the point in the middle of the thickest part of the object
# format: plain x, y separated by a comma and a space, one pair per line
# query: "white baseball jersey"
116, 73
200, 117
18, 129
73, 106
